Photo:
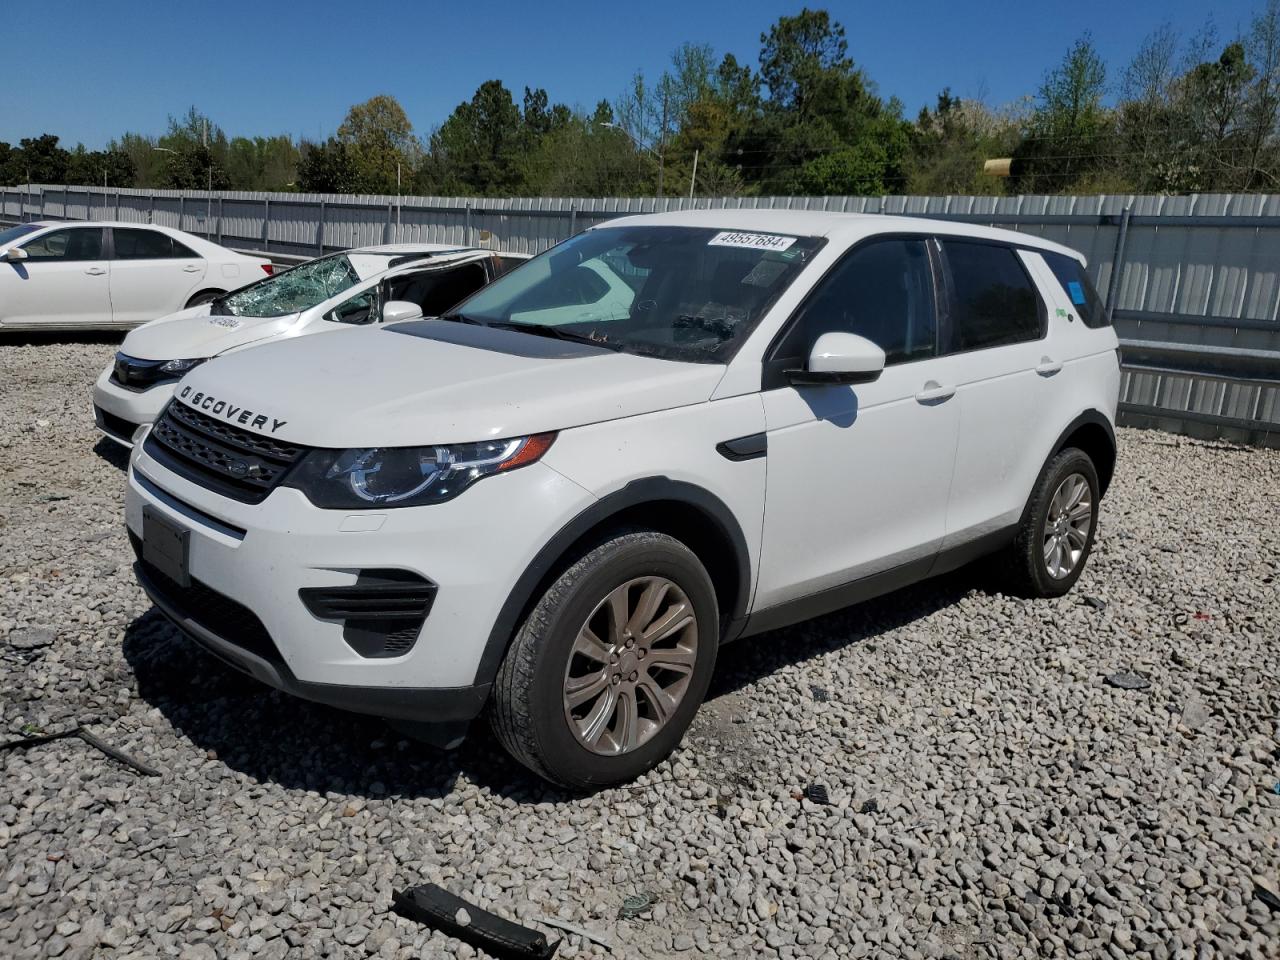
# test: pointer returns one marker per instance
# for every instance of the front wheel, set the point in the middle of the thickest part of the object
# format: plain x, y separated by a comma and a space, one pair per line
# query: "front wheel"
608, 670
1056, 534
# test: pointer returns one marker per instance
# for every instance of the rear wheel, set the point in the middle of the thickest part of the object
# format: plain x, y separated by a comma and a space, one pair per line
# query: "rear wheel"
1057, 530
605, 675
203, 297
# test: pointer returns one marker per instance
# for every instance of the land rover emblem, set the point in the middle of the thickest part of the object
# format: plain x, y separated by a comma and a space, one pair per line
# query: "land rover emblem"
238, 468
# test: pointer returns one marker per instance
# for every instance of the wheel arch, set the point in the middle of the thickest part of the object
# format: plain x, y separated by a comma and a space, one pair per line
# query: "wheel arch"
689, 513
1093, 433
192, 301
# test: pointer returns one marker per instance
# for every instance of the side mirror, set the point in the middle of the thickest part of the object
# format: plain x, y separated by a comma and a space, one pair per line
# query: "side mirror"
14, 254
396, 310
840, 359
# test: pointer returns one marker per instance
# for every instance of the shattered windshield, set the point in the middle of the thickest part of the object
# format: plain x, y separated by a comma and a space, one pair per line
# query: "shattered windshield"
298, 289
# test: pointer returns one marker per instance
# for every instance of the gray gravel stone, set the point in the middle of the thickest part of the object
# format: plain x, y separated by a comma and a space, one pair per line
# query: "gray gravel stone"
991, 795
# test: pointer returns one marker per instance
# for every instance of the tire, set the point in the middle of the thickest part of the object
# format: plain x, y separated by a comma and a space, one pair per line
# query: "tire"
545, 668
1031, 565
203, 297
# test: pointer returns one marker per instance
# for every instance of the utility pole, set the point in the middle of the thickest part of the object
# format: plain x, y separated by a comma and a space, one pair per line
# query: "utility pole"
693, 177
208, 199
662, 142
397, 201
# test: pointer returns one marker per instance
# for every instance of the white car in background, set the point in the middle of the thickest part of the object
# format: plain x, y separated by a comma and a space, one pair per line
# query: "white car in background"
342, 291
99, 274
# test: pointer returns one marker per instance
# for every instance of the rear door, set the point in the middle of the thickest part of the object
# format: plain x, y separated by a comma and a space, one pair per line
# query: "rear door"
152, 274
995, 333
65, 281
858, 476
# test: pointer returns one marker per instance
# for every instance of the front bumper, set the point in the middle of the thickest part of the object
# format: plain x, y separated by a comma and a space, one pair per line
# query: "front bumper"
249, 563
119, 411
432, 704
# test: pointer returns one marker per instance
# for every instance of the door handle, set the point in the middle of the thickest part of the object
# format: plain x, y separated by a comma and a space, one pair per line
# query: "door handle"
95, 271
935, 392
190, 268
1047, 366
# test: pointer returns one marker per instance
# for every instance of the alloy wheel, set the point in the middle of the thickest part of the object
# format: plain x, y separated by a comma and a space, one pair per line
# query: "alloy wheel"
1066, 525
630, 665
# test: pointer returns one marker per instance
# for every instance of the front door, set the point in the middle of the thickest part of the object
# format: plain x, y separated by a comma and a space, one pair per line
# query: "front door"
63, 282
858, 477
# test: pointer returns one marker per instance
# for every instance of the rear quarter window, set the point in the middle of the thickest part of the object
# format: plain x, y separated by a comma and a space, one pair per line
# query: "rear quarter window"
1079, 289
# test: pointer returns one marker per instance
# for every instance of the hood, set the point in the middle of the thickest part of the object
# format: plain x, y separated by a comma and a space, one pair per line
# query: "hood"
434, 381
193, 333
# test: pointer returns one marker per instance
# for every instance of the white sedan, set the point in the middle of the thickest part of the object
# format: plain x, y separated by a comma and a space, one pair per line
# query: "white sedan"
342, 291
98, 274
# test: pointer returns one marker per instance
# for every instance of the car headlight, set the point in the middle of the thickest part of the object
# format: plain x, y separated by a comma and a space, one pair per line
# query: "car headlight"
380, 477
181, 366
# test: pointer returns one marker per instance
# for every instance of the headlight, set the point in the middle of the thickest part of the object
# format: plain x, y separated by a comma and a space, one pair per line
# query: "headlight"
181, 366
380, 477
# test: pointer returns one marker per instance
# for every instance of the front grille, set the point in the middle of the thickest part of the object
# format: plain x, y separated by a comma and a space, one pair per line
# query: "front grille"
224, 458
219, 614
118, 427
137, 375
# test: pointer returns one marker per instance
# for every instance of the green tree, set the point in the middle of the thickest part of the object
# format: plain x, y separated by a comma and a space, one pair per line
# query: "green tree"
822, 123
476, 150
949, 144
1070, 126
327, 167
380, 139
98, 167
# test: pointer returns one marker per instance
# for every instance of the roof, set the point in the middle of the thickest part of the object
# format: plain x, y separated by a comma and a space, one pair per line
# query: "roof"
408, 249
842, 227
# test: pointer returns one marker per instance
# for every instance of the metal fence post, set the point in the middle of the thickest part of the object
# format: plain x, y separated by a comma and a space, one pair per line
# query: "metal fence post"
573, 220
151, 213
386, 230
182, 211
469, 241
221, 201
266, 223
117, 216
1117, 259
320, 231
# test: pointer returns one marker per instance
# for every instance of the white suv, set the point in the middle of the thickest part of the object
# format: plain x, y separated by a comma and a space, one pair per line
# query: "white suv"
557, 503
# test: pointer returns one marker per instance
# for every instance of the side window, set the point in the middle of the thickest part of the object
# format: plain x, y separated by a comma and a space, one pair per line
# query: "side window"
84, 243
361, 308
882, 291
436, 291
147, 245
1079, 289
995, 302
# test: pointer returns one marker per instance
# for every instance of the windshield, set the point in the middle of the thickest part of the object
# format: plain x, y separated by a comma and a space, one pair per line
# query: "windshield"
686, 293
14, 233
301, 288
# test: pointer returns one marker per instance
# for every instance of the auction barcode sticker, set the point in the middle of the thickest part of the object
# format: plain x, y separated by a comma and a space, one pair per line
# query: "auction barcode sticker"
753, 241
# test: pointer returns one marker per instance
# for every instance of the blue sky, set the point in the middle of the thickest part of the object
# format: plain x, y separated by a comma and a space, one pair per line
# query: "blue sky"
87, 70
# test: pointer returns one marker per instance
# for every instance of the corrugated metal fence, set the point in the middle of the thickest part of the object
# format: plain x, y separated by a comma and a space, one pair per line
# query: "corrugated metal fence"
1193, 282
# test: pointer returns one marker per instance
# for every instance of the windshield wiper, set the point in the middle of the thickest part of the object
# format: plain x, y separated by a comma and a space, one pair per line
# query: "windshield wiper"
558, 333
463, 318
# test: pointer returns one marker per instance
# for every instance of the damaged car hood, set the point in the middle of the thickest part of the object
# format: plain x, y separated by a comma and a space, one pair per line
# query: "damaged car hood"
194, 332
435, 382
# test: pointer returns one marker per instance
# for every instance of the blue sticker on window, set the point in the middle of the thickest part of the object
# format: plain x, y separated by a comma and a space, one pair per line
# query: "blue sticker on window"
1077, 293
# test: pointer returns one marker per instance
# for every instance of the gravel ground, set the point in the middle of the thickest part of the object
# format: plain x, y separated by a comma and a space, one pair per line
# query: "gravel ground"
990, 795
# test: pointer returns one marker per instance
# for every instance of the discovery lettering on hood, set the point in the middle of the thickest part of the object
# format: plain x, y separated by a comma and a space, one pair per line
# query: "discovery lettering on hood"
222, 408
